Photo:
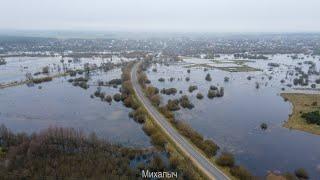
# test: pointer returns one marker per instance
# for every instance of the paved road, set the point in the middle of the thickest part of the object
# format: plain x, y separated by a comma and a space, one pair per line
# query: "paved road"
195, 156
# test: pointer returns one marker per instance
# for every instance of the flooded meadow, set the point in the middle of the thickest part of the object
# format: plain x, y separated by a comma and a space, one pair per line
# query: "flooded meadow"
251, 98
31, 108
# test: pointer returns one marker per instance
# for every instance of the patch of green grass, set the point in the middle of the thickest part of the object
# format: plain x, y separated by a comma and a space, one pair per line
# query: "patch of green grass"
302, 103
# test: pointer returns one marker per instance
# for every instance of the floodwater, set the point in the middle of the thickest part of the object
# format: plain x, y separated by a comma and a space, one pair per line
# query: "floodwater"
59, 103
17, 67
233, 121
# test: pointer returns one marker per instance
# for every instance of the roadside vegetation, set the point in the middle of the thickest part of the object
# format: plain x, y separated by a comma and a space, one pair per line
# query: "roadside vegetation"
227, 160
178, 162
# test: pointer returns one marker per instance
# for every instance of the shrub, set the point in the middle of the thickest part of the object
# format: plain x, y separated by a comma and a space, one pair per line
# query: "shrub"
80, 72
192, 88
174, 161
312, 117
161, 79
128, 101
188, 71
226, 79
199, 96
81, 82
148, 128
139, 115
213, 88
173, 105
41, 80
209, 147
169, 91
241, 173
212, 94
80, 79
83, 85
115, 82
166, 112
142, 79
117, 97
187, 79
273, 64
220, 92
155, 100
72, 73
97, 92
257, 85
158, 140
263, 126
147, 81
108, 98
150, 91
36, 73
301, 173
185, 102
208, 77
45, 70
225, 159
157, 164
102, 95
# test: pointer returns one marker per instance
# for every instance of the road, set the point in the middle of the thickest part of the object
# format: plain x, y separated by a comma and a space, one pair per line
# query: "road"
191, 152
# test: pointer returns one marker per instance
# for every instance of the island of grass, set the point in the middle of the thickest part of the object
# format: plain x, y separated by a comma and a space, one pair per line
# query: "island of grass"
304, 113
240, 68
233, 61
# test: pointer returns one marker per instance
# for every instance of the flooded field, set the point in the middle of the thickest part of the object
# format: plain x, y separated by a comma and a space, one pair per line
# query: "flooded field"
250, 99
17, 67
59, 103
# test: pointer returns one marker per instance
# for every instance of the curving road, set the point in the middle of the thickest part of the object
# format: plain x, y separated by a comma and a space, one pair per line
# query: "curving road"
194, 155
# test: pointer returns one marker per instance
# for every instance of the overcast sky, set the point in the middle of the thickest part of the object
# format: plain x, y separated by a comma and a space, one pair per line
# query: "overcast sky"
162, 15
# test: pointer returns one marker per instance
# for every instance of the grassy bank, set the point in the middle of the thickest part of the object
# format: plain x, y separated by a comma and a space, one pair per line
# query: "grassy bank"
302, 103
